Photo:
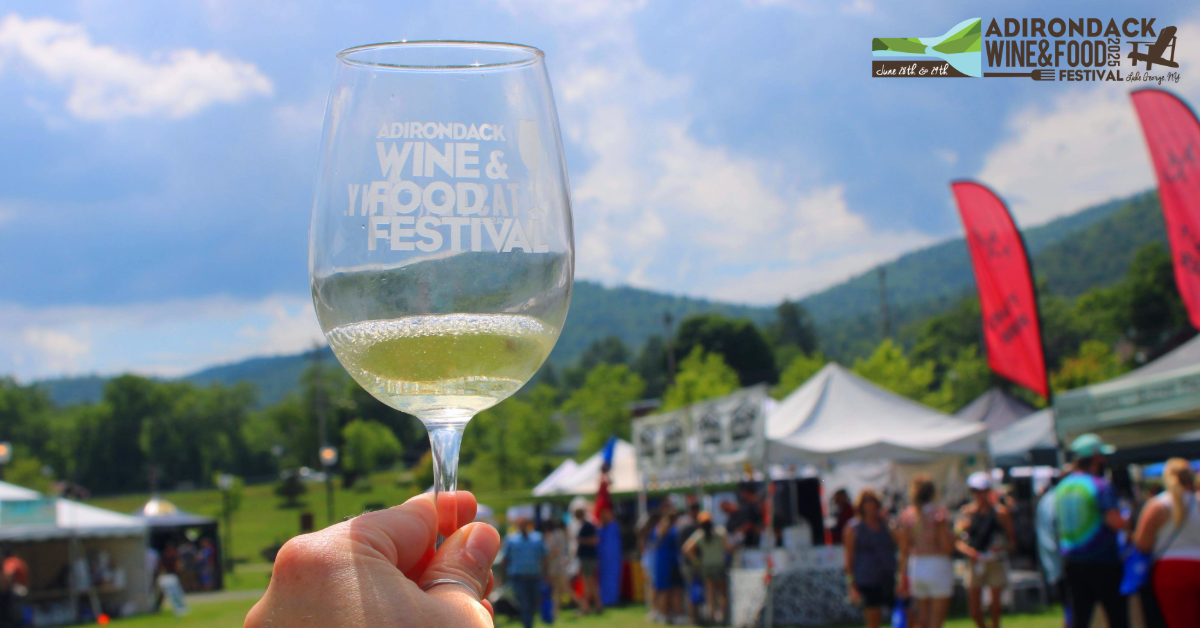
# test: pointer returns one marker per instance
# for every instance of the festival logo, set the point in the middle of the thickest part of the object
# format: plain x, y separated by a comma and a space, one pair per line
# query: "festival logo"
1133, 49
958, 53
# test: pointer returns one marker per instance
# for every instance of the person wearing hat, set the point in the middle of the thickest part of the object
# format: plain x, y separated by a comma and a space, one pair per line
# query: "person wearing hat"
707, 545
1088, 521
985, 531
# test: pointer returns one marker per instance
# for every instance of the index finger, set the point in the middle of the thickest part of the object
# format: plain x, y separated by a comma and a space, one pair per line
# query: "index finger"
455, 509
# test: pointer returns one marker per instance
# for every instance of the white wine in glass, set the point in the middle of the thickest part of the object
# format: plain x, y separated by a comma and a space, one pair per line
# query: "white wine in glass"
441, 253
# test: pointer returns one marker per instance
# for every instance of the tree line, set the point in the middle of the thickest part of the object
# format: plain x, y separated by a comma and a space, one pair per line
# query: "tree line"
174, 434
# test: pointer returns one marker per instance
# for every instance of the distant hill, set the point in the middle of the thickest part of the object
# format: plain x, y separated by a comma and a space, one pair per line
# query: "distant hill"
1070, 255
68, 391
631, 314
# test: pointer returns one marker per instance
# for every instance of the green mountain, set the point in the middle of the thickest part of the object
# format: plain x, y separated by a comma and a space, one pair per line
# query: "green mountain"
1070, 255
631, 314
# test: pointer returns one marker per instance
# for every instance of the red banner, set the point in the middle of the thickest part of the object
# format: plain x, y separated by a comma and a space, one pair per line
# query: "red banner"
1011, 328
1173, 135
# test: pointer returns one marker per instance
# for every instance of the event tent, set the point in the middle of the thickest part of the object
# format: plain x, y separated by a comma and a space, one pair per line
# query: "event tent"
1029, 441
837, 415
996, 408
585, 478
1150, 405
546, 486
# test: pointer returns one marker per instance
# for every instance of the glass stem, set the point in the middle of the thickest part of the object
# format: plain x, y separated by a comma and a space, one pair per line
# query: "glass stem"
445, 440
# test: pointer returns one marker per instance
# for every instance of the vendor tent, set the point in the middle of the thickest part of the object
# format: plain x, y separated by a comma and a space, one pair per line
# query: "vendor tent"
996, 408
77, 554
837, 415
1150, 405
546, 486
174, 532
585, 479
1029, 441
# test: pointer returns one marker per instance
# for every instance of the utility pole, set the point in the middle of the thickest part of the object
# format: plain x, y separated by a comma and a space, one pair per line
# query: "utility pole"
883, 303
667, 320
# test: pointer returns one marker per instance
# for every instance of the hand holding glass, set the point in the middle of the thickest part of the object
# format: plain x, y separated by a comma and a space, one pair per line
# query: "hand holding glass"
441, 253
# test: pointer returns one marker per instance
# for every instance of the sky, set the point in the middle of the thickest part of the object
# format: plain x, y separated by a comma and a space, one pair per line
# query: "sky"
157, 160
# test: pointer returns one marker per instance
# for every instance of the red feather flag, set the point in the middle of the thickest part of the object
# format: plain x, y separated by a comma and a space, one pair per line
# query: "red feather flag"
1173, 135
1011, 328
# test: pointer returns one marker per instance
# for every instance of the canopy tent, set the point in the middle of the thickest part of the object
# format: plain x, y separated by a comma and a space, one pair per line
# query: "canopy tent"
546, 486
78, 554
1150, 405
27, 515
585, 479
837, 415
174, 531
1029, 441
996, 409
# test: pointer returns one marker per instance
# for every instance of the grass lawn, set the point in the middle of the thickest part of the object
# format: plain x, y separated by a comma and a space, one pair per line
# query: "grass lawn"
262, 521
231, 614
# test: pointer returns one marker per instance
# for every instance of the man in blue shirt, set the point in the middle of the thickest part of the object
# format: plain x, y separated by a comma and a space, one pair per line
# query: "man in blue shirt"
524, 554
1088, 519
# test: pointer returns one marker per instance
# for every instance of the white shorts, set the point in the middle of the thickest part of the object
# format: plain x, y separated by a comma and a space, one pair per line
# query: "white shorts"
930, 577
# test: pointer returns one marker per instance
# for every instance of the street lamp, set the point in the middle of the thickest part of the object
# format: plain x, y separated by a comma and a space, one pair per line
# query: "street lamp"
329, 457
225, 482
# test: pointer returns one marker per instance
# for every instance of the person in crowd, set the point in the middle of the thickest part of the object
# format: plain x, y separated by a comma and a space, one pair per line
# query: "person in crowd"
664, 541
871, 559
379, 570
842, 511
1047, 542
206, 565
587, 541
558, 561
1088, 522
746, 522
986, 531
926, 542
1170, 530
524, 555
686, 525
708, 547
646, 527
608, 559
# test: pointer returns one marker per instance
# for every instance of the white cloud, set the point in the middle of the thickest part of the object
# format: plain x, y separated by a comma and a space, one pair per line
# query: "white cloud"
108, 84
165, 339
56, 350
657, 207
1083, 148
859, 7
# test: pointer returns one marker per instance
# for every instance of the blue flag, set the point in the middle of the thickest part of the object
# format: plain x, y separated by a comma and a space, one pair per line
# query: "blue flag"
607, 452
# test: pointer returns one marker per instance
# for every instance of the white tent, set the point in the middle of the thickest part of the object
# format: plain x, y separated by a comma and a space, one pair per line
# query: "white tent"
837, 415
546, 486
69, 518
1153, 404
585, 478
1012, 445
996, 409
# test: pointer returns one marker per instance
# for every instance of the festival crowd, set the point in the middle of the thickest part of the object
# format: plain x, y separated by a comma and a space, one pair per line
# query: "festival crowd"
1090, 547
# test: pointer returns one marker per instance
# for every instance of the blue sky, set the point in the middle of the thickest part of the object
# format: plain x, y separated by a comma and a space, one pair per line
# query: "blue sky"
159, 158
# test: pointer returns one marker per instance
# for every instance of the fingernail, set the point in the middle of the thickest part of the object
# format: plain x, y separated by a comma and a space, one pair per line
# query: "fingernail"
481, 545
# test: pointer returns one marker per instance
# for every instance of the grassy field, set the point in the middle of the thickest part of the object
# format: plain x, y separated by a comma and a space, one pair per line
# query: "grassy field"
262, 520
231, 614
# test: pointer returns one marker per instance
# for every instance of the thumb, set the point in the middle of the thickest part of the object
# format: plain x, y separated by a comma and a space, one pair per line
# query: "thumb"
467, 557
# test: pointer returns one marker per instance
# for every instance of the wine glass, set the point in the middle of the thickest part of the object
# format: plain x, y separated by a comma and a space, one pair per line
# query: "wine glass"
441, 255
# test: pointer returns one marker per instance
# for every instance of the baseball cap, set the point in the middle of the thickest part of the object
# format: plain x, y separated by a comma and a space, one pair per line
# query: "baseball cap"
1089, 445
980, 481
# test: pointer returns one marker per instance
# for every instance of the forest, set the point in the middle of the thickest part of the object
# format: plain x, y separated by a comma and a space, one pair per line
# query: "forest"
145, 433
